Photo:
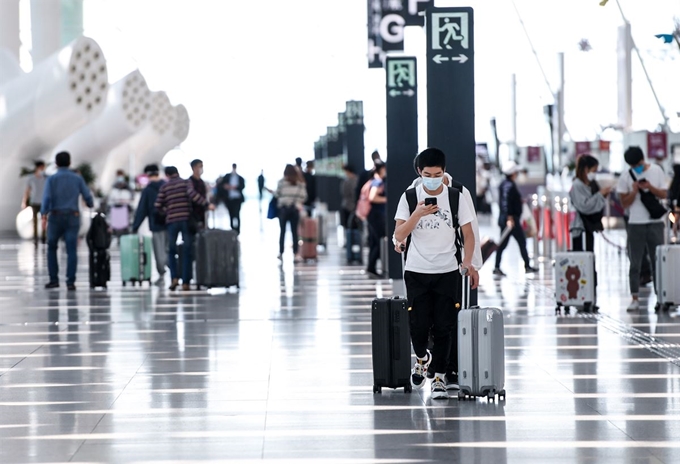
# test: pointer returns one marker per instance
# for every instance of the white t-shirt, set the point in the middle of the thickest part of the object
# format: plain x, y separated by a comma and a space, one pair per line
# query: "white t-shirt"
637, 212
433, 249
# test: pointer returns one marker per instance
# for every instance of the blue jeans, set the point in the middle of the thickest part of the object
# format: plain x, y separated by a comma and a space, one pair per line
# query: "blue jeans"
58, 226
174, 230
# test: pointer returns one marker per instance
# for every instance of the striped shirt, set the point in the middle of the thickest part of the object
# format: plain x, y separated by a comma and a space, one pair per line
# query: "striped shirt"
174, 199
288, 194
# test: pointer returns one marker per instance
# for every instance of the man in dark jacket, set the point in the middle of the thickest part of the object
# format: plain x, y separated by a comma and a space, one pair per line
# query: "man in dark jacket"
198, 210
231, 193
147, 209
510, 203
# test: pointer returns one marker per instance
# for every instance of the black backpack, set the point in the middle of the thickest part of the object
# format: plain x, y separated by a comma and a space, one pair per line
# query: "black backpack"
99, 236
455, 191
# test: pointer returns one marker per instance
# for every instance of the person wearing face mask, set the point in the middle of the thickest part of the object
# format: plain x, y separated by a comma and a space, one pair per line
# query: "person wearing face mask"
376, 218
510, 212
643, 230
119, 201
589, 200
432, 269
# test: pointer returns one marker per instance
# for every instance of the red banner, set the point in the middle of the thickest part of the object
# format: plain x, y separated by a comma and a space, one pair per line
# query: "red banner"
582, 148
657, 145
533, 154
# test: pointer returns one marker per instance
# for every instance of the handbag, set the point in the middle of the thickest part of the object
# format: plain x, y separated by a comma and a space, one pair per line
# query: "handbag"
273, 209
654, 207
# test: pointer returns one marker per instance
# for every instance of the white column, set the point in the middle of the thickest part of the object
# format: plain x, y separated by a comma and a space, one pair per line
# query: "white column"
513, 116
559, 104
45, 28
9, 26
624, 77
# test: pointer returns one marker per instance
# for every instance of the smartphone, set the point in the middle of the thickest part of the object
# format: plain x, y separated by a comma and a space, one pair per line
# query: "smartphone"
430, 201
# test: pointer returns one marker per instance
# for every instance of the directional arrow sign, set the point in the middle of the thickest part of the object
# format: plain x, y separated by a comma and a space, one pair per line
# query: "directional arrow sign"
439, 59
409, 92
395, 93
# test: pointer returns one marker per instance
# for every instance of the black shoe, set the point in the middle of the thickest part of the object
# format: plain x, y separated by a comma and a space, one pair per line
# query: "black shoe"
498, 272
529, 269
52, 285
71, 287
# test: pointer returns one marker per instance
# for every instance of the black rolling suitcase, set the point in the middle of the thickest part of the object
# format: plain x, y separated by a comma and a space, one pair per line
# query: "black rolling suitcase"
98, 241
391, 344
217, 258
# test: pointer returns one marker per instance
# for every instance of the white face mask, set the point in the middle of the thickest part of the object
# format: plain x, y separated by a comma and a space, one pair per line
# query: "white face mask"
592, 176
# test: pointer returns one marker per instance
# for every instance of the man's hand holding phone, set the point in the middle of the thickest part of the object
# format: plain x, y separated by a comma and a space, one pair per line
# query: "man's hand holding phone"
428, 206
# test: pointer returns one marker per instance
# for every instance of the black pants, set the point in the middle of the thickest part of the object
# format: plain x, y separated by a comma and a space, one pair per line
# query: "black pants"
36, 211
289, 214
577, 242
234, 207
518, 234
376, 232
432, 300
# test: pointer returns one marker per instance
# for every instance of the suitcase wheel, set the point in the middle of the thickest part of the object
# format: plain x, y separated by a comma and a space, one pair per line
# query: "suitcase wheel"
462, 395
501, 395
377, 389
124, 283
408, 388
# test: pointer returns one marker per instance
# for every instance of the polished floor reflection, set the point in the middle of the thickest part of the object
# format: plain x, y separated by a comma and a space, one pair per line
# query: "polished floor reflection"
281, 370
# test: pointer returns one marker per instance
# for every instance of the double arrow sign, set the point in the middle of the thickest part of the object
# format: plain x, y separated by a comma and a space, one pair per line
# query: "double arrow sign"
396, 93
441, 59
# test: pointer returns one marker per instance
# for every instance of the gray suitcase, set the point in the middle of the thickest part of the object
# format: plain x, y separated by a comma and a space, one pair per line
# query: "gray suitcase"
667, 270
217, 258
481, 350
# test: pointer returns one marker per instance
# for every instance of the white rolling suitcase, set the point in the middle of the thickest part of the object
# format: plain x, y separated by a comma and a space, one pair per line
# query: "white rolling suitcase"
481, 350
575, 280
667, 271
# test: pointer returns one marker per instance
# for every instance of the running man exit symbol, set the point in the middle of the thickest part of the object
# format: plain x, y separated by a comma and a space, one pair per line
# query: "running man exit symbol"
401, 73
450, 30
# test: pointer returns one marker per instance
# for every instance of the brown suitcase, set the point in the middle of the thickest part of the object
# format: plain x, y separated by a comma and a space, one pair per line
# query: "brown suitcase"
309, 237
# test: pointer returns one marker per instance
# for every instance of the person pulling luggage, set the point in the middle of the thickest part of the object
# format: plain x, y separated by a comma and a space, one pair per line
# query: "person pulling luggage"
432, 267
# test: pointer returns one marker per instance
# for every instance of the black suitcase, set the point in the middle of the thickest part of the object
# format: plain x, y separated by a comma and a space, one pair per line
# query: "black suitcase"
391, 344
100, 268
217, 258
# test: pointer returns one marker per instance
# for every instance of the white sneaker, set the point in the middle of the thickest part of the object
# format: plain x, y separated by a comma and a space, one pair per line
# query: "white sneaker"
633, 306
419, 372
439, 389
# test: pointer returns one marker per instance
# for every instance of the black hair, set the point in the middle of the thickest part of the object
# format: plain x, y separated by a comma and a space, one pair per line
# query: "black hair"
39, 164
233, 166
430, 158
63, 159
298, 161
151, 169
583, 164
195, 162
633, 155
378, 166
349, 168
171, 171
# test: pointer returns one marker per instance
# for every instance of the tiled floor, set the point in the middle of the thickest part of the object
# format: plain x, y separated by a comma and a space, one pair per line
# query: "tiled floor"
281, 371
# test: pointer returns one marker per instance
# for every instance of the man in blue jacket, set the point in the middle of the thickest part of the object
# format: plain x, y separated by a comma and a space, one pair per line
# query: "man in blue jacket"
146, 209
60, 209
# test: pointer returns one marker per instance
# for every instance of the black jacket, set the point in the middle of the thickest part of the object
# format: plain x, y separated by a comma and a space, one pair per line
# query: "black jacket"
223, 194
146, 207
310, 181
510, 202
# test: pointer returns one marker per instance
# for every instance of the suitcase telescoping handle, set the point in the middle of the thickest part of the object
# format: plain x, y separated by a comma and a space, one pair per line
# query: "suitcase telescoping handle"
465, 291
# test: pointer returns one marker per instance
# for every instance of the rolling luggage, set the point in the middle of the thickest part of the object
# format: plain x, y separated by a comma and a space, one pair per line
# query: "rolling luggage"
100, 268
667, 271
120, 218
135, 259
481, 350
391, 340
309, 236
98, 241
353, 246
322, 238
217, 258
575, 280
489, 246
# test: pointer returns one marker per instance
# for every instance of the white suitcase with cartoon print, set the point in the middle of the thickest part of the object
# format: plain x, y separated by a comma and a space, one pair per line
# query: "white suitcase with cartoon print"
575, 280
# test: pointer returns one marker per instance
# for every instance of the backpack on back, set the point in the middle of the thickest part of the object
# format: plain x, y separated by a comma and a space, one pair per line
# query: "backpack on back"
363, 203
455, 190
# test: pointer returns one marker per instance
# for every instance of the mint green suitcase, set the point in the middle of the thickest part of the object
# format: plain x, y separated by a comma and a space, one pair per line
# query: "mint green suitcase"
135, 259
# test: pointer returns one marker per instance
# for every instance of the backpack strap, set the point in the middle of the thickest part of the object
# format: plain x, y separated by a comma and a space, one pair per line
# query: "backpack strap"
454, 197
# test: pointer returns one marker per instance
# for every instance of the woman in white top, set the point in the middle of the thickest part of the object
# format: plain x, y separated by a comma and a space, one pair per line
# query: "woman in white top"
291, 195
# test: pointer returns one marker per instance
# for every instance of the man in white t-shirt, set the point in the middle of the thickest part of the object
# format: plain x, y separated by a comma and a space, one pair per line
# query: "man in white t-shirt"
432, 271
642, 229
